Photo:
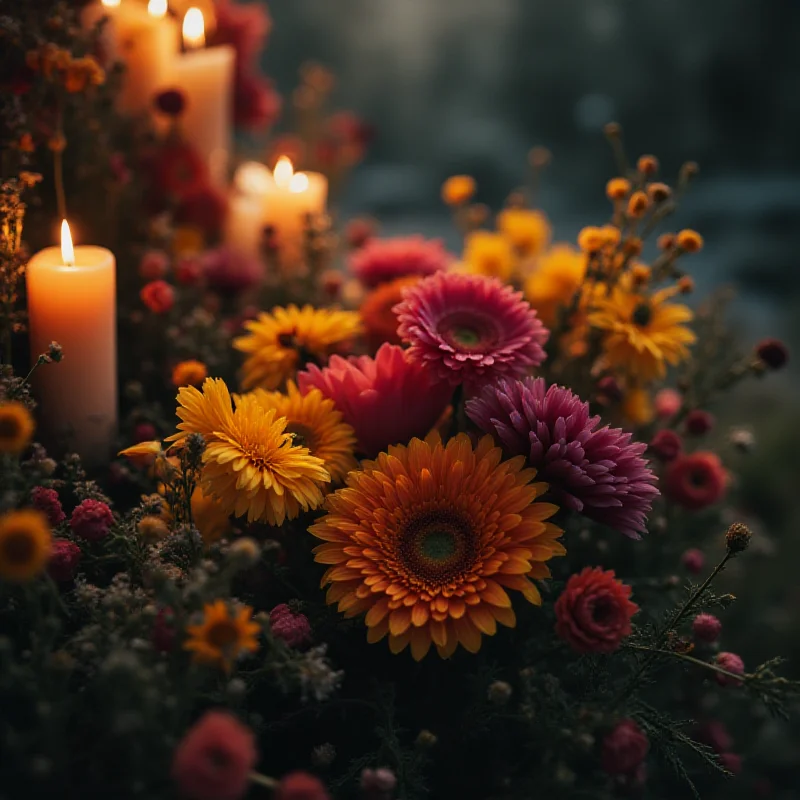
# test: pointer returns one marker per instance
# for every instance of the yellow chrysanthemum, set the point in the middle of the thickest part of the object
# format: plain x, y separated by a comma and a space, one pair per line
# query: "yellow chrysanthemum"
222, 636
559, 274
527, 229
642, 334
315, 423
285, 339
487, 253
16, 427
250, 464
25, 543
189, 373
426, 539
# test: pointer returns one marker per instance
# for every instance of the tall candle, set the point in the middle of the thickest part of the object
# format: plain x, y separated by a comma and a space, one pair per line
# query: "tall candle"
72, 301
244, 226
205, 75
146, 40
289, 199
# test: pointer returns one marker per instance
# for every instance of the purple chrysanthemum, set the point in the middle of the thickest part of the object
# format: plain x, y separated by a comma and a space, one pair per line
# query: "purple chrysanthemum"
470, 329
383, 260
599, 473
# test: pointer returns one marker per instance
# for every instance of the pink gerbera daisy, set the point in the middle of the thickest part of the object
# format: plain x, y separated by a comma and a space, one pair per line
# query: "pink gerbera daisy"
383, 260
387, 400
470, 329
599, 473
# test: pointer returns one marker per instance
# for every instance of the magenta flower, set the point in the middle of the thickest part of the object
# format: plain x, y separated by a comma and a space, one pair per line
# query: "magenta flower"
383, 260
256, 103
230, 272
387, 400
599, 473
470, 329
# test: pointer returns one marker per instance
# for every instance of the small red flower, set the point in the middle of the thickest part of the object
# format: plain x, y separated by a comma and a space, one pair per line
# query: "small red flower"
699, 422
175, 171
158, 296
358, 232
731, 663
706, 628
48, 502
91, 520
154, 265
291, 627
214, 759
624, 748
171, 102
667, 403
144, 432
164, 630
203, 207
696, 480
694, 560
773, 352
666, 445
64, 559
593, 613
301, 786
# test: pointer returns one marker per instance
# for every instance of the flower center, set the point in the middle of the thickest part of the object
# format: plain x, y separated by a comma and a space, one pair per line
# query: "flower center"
603, 611
469, 330
697, 479
222, 634
642, 314
9, 427
303, 436
438, 545
18, 548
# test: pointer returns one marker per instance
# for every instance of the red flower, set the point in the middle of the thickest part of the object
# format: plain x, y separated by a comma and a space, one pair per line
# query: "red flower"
170, 102
706, 628
256, 104
358, 232
731, 663
773, 352
666, 445
624, 748
203, 207
667, 403
154, 265
214, 759
64, 559
301, 786
175, 171
47, 501
91, 520
694, 560
696, 480
158, 296
593, 613
289, 626
699, 422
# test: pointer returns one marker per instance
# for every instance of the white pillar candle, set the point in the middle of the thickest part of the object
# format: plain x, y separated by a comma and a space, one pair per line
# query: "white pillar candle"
244, 226
290, 198
145, 39
205, 75
72, 301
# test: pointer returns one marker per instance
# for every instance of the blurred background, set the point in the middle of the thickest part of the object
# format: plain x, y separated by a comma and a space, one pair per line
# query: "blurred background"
469, 86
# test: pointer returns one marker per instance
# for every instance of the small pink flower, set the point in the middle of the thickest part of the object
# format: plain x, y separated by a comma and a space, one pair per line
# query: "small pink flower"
706, 628
91, 520
158, 296
47, 501
293, 628
214, 759
694, 560
696, 480
666, 445
699, 422
731, 663
64, 559
624, 748
154, 265
667, 403
358, 232
382, 260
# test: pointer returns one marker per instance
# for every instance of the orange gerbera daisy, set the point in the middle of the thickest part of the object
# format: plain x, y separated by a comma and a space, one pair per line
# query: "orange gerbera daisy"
427, 539
643, 334
222, 636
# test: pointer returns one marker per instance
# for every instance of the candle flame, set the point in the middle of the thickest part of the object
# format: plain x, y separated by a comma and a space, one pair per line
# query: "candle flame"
110, 3
283, 172
67, 250
252, 178
298, 183
194, 29
157, 8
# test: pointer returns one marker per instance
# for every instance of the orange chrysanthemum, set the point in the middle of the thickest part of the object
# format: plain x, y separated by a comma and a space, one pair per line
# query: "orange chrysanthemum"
222, 636
427, 539
380, 321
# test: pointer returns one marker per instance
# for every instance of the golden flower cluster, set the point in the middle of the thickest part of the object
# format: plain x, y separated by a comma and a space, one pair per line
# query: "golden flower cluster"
57, 64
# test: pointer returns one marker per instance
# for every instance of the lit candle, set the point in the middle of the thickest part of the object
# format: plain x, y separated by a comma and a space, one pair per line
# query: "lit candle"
204, 75
146, 40
72, 301
244, 226
290, 198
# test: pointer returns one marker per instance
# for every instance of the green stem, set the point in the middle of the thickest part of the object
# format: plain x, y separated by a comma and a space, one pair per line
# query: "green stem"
39, 361
654, 651
263, 780
690, 660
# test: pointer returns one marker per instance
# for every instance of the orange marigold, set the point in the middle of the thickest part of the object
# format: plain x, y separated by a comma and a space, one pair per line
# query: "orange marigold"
458, 189
189, 373
428, 538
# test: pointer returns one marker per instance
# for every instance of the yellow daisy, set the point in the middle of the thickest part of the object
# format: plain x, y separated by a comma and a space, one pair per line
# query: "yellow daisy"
527, 229
287, 338
487, 253
250, 465
25, 542
16, 427
558, 276
642, 334
316, 424
222, 636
